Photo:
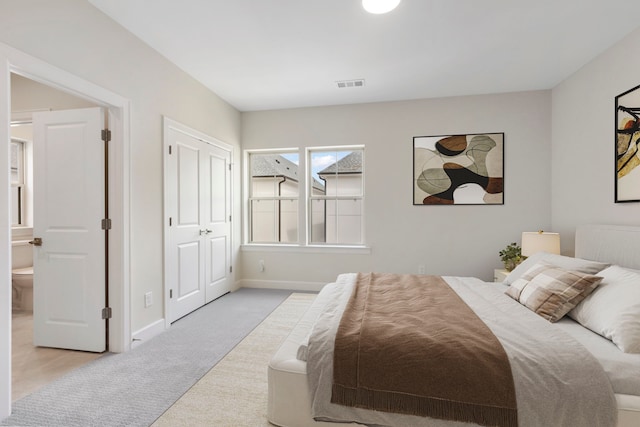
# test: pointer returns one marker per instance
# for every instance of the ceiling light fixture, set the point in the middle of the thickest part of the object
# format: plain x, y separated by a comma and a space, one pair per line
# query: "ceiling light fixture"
379, 6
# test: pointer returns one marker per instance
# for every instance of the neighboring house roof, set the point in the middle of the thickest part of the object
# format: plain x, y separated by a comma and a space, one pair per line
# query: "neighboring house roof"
270, 165
265, 165
351, 163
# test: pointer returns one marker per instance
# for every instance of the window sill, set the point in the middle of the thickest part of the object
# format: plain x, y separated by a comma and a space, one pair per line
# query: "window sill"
21, 232
324, 249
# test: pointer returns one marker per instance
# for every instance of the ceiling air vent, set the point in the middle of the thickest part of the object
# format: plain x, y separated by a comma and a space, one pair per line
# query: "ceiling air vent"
350, 83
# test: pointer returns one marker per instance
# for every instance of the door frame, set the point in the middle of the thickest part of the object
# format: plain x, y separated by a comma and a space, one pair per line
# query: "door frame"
18, 62
168, 124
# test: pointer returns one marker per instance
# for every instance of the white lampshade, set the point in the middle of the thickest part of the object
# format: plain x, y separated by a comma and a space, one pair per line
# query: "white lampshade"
540, 241
379, 6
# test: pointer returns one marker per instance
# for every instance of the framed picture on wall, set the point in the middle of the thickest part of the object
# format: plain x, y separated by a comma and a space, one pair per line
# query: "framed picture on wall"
466, 169
627, 180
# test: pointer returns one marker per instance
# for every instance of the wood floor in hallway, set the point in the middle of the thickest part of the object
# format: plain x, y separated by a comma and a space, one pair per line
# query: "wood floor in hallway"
34, 367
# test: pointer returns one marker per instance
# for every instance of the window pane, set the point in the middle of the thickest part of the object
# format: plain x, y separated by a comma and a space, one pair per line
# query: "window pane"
318, 221
334, 219
344, 221
339, 171
349, 221
263, 221
274, 221
16, 206
17, 162
274, 174
288, 221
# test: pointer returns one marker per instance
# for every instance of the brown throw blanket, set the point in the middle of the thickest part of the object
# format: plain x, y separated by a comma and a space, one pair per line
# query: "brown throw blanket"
408, 344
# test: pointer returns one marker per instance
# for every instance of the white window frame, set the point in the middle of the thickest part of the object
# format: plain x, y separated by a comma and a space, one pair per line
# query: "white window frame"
304, 244
309, 197
250, 197
25, 187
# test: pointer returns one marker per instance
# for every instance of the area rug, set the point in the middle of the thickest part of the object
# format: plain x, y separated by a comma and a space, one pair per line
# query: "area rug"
135, 388
234, 392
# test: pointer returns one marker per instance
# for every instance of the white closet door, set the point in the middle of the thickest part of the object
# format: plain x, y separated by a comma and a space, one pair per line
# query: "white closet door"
218, 223
198, 192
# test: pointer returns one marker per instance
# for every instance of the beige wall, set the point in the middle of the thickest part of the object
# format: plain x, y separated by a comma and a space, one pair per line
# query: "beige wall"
449, 240
583, 118
76, 37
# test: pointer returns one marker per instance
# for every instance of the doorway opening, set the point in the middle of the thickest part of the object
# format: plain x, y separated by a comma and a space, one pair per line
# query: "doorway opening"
15, 62
33, 365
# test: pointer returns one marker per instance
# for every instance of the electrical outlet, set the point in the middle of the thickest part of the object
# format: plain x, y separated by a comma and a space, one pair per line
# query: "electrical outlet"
421, 269
261, 264
148, 299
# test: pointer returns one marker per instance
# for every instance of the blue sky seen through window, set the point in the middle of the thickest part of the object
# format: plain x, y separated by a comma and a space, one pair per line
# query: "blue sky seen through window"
319, 160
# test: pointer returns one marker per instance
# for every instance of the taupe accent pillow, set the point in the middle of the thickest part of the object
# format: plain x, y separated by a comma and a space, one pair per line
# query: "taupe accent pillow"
561, 261
550, 291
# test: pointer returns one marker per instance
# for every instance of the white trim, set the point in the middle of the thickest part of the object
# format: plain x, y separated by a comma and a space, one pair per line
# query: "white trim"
145, 334
21, 233
279, 284
15, 61
314, 249
5, 239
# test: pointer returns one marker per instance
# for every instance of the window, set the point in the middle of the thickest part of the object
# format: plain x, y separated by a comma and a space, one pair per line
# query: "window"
332, 205
335, 196
273, 200
17, 183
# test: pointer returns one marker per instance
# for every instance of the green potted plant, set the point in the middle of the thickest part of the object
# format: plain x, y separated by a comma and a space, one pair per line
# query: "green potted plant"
511, 256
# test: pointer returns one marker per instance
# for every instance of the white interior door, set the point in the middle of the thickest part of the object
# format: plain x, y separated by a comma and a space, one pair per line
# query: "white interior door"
69, 205
198, 192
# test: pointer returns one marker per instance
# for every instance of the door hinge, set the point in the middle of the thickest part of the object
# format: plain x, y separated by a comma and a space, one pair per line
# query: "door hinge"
106, 224
106, 135
106, 313
229, 218
231, 269
170, 221
169, 150
170, 293
229, 166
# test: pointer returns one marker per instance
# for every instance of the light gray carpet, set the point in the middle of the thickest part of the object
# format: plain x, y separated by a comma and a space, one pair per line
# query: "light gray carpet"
135, 388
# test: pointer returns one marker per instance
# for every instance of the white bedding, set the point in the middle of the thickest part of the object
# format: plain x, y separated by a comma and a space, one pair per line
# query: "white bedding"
289, 401
623, 369
557, 382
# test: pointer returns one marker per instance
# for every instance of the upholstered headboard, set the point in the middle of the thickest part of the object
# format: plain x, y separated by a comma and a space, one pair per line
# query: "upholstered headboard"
613, 244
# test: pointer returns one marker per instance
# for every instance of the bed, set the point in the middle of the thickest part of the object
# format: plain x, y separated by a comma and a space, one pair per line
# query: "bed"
290, 399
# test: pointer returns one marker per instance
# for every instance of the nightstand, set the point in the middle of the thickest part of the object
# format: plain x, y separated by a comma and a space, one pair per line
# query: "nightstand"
499, 274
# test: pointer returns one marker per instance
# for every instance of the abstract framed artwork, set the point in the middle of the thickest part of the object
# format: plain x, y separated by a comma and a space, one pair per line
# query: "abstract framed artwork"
627, 180
465, 169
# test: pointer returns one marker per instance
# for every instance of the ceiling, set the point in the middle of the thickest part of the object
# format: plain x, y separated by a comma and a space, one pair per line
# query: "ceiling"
273, 54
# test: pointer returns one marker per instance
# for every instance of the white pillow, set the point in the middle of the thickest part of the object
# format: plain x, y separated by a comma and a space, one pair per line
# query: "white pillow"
613, 309
561, 261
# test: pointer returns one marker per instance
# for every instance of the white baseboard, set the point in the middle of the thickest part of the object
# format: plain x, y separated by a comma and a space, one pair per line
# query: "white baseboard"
280, 284
148, 332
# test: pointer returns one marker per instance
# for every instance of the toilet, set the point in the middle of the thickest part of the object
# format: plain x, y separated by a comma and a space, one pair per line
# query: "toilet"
22, 283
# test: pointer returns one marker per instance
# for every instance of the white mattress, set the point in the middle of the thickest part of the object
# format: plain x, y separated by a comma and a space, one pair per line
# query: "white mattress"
289, 402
